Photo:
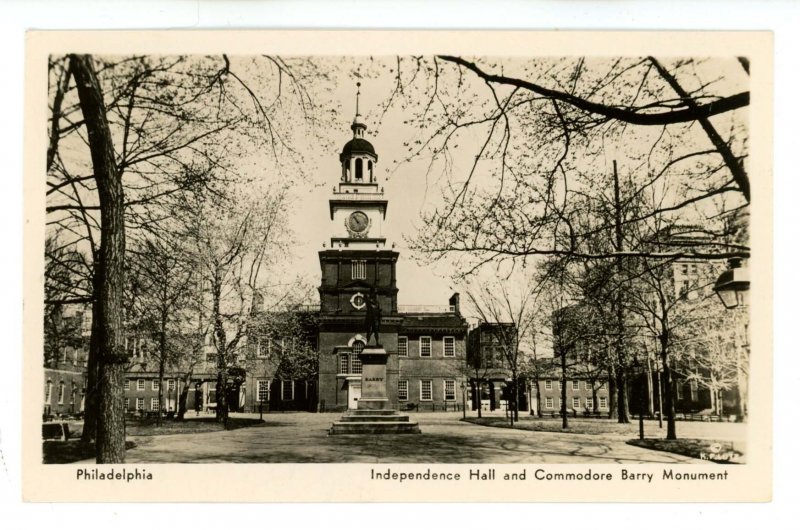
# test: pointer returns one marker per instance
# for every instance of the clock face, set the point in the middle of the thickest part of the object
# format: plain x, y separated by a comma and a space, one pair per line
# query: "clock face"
358, 222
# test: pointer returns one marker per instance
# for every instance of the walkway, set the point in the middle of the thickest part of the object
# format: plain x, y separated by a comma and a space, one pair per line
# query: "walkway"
303, 438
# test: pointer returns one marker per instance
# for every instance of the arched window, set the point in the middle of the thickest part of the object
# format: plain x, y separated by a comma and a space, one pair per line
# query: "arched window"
48, 391
61, 386
359, 170
369, 168
355, 362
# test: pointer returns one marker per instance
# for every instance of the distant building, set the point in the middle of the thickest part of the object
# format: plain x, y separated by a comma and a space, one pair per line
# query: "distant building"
67, 333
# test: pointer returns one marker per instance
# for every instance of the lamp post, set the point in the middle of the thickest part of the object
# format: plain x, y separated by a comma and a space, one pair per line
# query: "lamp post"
733, 285
463, 400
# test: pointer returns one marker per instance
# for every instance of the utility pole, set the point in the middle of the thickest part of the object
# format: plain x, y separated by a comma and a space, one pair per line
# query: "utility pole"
622, 399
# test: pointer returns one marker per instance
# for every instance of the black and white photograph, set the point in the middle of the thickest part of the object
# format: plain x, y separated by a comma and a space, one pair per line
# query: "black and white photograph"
505, 261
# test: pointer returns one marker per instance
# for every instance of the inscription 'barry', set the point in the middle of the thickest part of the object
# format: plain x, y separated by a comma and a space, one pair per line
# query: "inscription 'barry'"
374, 379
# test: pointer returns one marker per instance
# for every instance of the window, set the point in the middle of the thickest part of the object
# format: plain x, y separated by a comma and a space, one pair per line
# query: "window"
679, 390
560, 403
369, 167
693, 390
127, 385
576, 403
402, 390
588, 385
262, 350
449, 346
560, 384
603, 402
426, 390
139, 403
262, 390
548, 385
402, 346
153, 403
450, 390
355, 364
127, 403
358, 269
171, 385
424, 346
576, 385
589, 403
140, 384
694, 269
61, 392
287, 390
548, 403
48, 392
155, 384
343, 364
355, 360
684, 268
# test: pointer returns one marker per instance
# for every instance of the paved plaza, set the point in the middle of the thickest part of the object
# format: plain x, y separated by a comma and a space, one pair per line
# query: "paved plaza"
303, 438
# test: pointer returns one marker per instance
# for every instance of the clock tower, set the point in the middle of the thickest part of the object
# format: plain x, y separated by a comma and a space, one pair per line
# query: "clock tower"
356, 263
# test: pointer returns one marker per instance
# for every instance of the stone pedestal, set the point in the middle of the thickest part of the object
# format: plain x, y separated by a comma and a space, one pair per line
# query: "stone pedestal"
373, 415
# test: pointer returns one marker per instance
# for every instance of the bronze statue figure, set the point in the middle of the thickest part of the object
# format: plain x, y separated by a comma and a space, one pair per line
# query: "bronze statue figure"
372, 319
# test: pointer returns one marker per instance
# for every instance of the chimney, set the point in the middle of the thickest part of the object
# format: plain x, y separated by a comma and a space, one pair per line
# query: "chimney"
455, 303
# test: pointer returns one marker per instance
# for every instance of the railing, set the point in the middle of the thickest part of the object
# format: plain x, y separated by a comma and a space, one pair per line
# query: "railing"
426, 309
359, 196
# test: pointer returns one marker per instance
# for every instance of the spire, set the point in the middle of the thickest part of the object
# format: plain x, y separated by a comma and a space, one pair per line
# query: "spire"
358, 93
358, 126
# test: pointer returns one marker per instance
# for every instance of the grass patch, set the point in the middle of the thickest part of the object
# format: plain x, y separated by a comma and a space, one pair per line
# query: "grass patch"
719, 451
148, 427
575, 425
70, 451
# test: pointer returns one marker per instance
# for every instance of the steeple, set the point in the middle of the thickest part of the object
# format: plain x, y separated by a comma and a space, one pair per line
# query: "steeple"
358, 157
358, 127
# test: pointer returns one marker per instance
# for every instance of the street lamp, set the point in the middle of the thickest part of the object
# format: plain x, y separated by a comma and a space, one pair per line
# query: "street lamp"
464, 400
733, 285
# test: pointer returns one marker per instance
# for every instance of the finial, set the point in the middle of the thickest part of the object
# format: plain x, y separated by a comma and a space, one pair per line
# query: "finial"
358, 93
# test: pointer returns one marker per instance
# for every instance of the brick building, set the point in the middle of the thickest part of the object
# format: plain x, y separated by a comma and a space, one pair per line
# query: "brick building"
426, 345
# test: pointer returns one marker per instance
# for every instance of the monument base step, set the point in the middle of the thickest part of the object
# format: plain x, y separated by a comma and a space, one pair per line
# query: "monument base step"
353, 418
374, 427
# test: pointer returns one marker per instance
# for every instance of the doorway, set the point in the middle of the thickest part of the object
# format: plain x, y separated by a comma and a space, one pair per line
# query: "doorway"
353, 395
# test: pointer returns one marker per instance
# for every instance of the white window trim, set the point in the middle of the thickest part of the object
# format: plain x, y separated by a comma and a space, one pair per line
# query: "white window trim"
589, 403
548, 402
154, 384
444, 390
420, 389
127, 404
259, 384
61, 388
138, 401
154, 401
444, 346
576, 385
588, 385
548, 384
127, 384
398, 390
403, 340
602, 402
283, 386
344, 363
140, 384
171, 385
578, 401
430, 346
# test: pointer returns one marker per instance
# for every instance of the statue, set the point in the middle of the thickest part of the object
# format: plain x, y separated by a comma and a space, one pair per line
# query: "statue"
372, 319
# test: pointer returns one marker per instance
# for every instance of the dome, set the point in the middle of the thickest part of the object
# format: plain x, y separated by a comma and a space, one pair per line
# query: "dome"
357, 145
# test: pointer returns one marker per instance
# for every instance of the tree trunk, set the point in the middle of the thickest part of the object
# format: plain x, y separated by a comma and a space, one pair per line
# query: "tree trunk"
89, 433
564, 421
612, 393
184, 396
162, 359
109, 269
668, 385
